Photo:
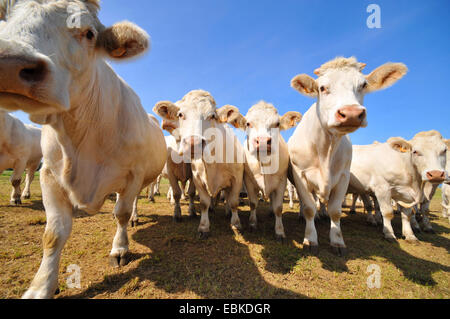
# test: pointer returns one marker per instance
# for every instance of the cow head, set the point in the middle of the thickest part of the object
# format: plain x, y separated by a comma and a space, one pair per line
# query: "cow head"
428, 153
263, 125
340, 89
49, 50
196, 113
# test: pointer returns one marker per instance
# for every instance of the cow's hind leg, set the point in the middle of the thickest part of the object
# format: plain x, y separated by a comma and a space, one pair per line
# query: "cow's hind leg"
276, 200
253, 197
26, 194
58, 211
191, 194
15, 179
335, 211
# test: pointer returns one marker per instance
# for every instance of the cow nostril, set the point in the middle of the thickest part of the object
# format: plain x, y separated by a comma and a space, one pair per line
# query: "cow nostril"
341, 114
362, 116
35, 73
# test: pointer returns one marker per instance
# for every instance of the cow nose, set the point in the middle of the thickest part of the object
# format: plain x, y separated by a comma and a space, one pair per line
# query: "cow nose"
436, 176
33, 72
351, 115
20, 74
264, 141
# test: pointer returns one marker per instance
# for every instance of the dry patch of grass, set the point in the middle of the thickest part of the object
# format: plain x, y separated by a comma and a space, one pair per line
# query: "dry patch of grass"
169, 261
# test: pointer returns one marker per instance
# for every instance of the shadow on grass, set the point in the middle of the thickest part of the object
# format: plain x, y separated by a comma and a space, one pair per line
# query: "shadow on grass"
219, 267
363, 242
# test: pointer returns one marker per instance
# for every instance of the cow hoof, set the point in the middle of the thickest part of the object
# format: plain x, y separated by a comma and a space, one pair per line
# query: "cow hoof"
253, 227
118, 261
26, 197
57, 291
157, 193
280, 238
391, 240
429, 231
134, 223
16, 201
417, 230
312, 249
177, 219
203, 235
339, 251
352, 212
237, 227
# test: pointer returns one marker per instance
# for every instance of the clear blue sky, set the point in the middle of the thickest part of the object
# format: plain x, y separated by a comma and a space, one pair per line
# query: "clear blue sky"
243, 51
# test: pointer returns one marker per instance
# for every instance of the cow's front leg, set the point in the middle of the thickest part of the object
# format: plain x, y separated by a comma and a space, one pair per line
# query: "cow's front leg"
15, 179
384, 199
176, 194
406, 225
205, 203
276, 200
368, 205
253, 197
308, 211
26, 194
353, 207
58, 210
232, 198
337, 197
122, 212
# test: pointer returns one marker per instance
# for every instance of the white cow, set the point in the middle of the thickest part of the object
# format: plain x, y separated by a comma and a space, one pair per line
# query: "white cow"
20, 149
397, 170
177, 171
446, 188
216, 156
267, 159
320, 149
96, 137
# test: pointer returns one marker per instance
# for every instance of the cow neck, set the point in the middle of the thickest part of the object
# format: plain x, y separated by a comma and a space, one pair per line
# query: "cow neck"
92, 114
325, 145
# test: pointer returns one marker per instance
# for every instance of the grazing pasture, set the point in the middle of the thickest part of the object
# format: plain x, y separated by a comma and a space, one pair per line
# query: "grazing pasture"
170, 261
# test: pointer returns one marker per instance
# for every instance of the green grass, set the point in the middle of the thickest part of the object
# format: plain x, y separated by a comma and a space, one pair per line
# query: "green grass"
169, 261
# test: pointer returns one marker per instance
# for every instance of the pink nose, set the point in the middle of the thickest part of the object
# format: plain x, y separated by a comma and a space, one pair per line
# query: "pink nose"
351, 115
436, 176
263, 141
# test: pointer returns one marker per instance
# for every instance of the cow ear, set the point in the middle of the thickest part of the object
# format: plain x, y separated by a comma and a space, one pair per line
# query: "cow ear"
399, 144
447, 142
230, 114
123, 40
385, 76
305, 84
167, 110
290, 120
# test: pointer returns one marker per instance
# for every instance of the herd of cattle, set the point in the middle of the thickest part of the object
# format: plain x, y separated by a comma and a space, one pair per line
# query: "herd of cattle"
98, 140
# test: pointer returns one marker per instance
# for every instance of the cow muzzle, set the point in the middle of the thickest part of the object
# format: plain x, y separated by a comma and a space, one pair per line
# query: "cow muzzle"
262, 144
25, 82
351, 117
193, 145
436, 177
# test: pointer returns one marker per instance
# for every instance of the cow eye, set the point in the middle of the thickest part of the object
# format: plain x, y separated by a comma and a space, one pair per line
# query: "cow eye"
90, 35
323, 89
277, 125
364, 86
180, 115
417, 153
249, 125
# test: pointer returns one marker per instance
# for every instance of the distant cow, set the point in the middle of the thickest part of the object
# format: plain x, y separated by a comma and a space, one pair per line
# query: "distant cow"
320, 149
397, 170
96, 137
211, 147
20, 149
446, 188
267, 158
177, 171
